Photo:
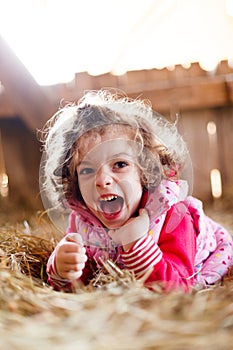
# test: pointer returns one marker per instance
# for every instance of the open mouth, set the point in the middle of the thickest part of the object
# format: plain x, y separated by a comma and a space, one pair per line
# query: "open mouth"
111, 204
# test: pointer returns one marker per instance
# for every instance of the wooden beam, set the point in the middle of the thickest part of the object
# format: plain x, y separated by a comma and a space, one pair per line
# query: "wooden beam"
196, 94
229, 87
190, 91
26, 97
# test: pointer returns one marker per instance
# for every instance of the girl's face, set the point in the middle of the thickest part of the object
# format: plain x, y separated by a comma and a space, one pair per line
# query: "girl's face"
109, 177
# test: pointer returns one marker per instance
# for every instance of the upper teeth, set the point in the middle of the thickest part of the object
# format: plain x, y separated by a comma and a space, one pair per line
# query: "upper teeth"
109, 198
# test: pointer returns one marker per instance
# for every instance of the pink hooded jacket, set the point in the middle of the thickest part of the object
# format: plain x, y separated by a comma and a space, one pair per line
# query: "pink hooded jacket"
182, 248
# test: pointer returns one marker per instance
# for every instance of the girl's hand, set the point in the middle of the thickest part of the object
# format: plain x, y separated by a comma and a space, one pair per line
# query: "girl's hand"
70, 257
132, 230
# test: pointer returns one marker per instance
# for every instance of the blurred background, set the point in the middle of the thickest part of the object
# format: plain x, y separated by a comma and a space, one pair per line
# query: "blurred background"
176, 53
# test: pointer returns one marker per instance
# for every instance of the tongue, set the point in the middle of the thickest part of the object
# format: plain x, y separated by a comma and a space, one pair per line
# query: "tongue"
113, 206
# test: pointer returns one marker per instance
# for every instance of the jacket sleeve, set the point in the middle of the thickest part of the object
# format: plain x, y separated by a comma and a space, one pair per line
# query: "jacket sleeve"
171, 261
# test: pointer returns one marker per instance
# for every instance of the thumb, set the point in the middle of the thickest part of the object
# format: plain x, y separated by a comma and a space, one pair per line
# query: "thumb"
143, 214
74, 237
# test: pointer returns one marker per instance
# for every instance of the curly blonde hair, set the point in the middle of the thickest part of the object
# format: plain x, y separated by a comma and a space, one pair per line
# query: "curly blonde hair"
163, 151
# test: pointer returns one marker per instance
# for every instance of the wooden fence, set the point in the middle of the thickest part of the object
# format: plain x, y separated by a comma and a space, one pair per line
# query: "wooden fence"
203, 100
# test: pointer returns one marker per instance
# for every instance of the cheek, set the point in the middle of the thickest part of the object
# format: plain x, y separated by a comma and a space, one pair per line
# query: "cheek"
84, 186
87, 190
131, 188
136, 179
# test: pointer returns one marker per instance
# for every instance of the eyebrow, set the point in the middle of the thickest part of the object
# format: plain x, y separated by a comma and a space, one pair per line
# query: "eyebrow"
121, 155
83, 163
117, 155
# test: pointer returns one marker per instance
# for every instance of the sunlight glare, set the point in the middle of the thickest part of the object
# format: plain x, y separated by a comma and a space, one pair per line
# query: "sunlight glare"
216, 183
56, 39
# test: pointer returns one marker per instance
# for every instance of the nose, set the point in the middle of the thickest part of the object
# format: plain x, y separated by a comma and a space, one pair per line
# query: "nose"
103, 178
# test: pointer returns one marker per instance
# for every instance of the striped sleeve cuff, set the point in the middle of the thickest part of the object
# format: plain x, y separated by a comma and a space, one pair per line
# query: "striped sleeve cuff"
142, 256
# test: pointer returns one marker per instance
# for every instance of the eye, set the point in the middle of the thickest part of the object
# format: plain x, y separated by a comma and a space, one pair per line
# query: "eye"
86, 171
120, 164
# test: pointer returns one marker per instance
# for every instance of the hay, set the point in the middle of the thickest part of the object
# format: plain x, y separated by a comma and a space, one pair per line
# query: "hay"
27, 250
114, 312
113, 317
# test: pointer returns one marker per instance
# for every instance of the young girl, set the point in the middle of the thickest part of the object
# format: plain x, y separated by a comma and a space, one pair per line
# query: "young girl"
117, 165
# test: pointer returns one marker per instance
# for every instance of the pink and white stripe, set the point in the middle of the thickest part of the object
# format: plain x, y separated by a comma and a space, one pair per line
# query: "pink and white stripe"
142, 256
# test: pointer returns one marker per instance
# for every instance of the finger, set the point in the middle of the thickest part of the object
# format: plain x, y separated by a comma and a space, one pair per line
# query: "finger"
73, 272
72, 267
143, 212
74, 275
71, 247
74, 237
65, 270
73, 258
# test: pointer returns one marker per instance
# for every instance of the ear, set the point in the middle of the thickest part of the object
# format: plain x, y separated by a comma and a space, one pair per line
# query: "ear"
171, 172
